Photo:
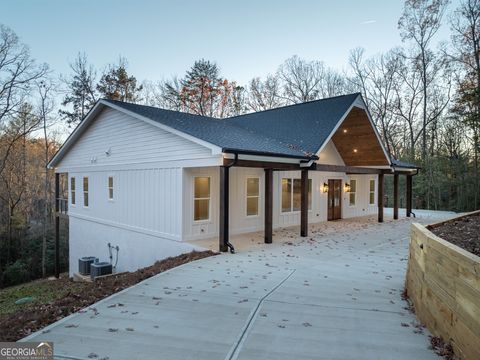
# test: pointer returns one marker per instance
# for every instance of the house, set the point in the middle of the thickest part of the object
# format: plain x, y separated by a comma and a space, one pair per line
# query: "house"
152, 181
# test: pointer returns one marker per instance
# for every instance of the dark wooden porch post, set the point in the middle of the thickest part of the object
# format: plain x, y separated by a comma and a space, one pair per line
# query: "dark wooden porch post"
380, 197
409, 194
57, 225
223, 233
268, 206
395, 196
304, 204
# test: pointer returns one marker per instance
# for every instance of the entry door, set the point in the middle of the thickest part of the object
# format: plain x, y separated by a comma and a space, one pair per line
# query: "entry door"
334, 199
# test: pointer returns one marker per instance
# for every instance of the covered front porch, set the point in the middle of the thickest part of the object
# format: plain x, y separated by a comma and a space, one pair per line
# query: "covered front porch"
252, 241
306, 170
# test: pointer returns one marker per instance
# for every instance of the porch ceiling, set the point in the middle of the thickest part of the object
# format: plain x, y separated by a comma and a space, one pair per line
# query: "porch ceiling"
357, 142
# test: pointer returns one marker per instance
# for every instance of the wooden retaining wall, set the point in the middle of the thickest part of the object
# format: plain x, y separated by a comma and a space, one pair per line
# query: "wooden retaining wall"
443, 281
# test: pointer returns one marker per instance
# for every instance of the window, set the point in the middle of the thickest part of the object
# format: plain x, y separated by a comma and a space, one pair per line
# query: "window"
201, 206
72, 190
110, 188
292, 200
353, 192
253, 195
85, 191
286, 195
372, 192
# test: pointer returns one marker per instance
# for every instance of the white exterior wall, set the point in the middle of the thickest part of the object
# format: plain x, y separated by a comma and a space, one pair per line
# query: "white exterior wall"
240, 222
151, 214
137, 249
130, 141
145, 216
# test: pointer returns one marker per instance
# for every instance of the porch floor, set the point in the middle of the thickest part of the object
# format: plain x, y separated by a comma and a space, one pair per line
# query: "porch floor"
254, 240
333, 295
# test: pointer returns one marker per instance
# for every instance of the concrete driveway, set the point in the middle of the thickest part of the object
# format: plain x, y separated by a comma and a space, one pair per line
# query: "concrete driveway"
333, 295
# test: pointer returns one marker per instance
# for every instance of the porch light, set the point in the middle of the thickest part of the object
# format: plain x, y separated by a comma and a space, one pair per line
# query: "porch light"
355, 150
345, 131
325, 188
347, 187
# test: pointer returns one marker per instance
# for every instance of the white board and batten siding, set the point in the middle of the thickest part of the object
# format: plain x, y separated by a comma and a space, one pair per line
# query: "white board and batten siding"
239, 221
144, 218
151, 214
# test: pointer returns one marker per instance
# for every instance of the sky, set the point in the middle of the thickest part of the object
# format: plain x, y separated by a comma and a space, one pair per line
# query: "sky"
246, 38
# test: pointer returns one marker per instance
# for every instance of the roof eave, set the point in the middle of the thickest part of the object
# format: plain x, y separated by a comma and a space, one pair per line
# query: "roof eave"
265, 153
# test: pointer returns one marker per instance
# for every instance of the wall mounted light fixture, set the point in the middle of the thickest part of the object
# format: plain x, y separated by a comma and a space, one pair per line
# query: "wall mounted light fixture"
325, 188
347, 187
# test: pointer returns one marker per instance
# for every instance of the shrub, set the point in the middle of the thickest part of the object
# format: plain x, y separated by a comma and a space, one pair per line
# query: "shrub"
16, 273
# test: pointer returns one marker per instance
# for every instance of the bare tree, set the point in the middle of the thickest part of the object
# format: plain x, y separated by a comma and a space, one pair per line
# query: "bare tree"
264, 95
300, 79
46, 107
13, 152
333, 84
419, 23
18, 71
407, 106
163, 94
465, 25
236, 101
377, 78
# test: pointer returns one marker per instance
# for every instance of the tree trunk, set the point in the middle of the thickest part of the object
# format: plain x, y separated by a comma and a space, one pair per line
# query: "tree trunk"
45, 204
424, 119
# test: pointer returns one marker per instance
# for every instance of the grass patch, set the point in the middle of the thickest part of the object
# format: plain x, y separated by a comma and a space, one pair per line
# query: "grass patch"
56, 299
42, 291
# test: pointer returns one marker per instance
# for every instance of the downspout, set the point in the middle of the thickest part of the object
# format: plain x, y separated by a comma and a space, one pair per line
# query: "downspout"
233, 163
412, 175
416, 173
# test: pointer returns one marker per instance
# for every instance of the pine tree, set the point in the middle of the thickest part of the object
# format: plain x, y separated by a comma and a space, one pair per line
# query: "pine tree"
81, 94
117, 84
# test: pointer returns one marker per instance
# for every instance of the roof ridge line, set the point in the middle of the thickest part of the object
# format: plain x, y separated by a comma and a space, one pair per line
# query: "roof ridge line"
291, 105
161, 108
225, 123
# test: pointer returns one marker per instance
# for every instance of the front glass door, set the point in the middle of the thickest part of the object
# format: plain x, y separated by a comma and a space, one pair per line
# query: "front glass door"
334, 199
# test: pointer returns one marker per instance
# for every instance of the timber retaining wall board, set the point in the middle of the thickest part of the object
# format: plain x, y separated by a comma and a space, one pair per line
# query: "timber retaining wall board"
443, 281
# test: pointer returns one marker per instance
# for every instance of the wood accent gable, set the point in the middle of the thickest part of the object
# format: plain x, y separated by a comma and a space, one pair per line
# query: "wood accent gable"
357, 142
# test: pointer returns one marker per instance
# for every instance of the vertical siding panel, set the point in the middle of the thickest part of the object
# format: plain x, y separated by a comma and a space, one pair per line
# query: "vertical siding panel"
170, 200
163, 206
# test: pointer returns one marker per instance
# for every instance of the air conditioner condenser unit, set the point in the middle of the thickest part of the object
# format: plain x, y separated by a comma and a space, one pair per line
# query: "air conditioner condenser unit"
100, 269
84, 264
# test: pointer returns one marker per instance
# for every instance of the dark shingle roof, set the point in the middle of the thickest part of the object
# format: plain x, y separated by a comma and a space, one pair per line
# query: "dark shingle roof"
290, 131
305, 126
403, 164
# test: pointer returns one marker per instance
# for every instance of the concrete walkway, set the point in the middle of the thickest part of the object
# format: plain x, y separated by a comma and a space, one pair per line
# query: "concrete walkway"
333, 295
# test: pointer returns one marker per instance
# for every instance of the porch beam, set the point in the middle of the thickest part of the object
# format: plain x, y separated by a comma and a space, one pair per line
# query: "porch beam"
348, 169
224, 204
304, 204
314, 167
380, 198
57, 225
395, 196
268, 206
409, 194
264, 164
